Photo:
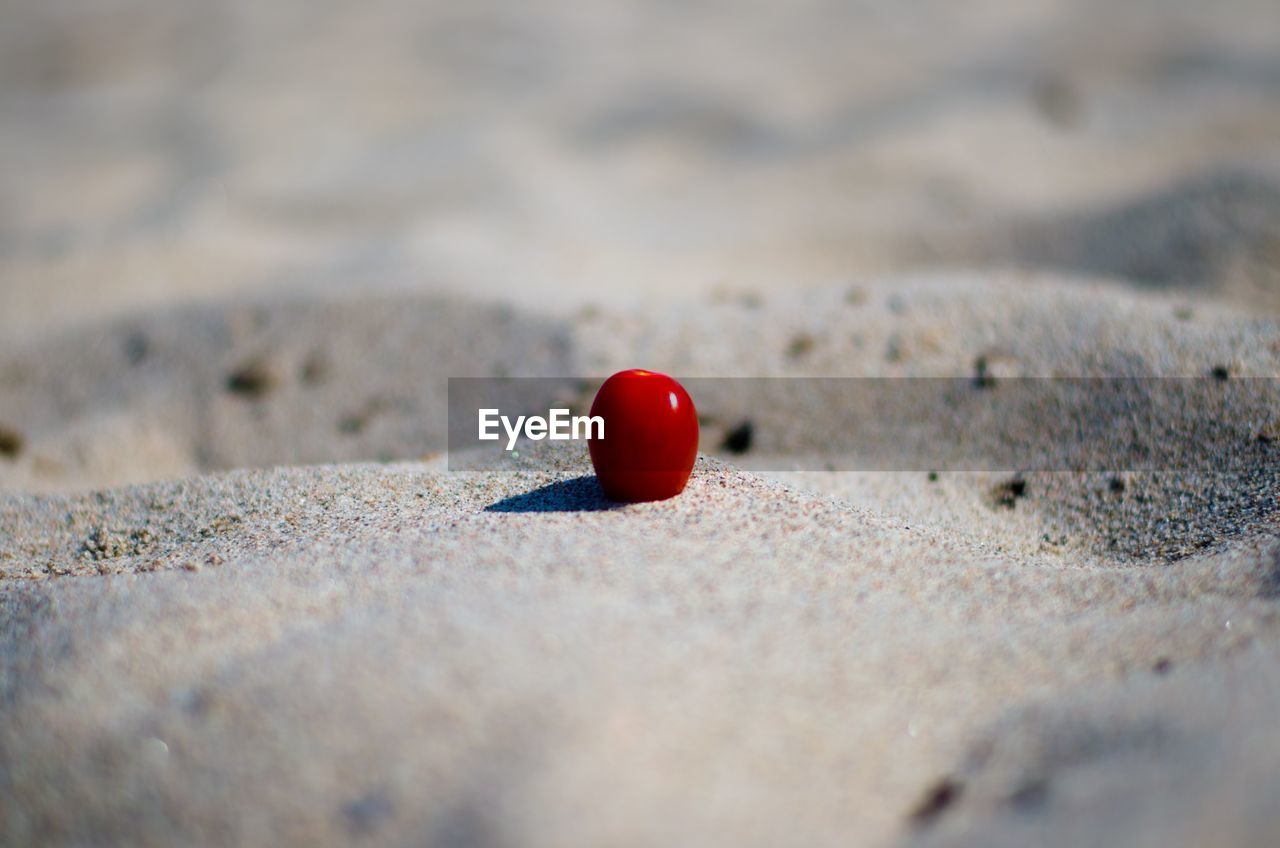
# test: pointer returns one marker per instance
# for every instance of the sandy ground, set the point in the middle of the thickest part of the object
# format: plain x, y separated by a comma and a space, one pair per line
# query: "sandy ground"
244, 599
410, 654
482, 659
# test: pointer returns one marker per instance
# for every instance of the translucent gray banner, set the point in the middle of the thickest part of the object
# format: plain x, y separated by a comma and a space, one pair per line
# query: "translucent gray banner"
923, 424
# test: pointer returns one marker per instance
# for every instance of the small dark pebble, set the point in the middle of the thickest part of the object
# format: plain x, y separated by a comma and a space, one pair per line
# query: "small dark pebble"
938, 799
1007, 493
982, 376
253, 379
933, 476
800, 345
1220, 373
1116, 485
11, 442
738, 440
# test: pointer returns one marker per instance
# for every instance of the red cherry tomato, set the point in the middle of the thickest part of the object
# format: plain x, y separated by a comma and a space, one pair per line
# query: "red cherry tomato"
650, 436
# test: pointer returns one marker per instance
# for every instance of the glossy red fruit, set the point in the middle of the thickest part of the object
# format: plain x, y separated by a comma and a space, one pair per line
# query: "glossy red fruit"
650, 436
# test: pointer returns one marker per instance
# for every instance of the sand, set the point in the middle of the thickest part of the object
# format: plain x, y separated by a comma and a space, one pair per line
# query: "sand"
304, 655
410, 654
247, 597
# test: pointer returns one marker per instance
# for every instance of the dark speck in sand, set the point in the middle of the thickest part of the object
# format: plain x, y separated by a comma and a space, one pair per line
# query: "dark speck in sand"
981, 378
1162, 666
11, 442
1007, 493
801, 345
937, 801
738, 440
1220, 373
252, 379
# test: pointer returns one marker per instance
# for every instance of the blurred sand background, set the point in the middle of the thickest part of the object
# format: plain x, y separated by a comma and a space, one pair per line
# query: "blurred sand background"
554, 153
235, 236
